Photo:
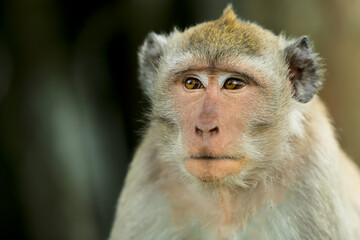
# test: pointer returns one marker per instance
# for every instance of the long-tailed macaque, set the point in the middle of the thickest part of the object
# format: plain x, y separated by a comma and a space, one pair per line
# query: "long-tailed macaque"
239, 145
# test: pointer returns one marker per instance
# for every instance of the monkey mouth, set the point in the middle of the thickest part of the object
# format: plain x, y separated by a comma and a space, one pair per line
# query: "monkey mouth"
213, 157
209, 168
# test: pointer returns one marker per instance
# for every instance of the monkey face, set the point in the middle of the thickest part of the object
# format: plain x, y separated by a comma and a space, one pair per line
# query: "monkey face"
226, 97
215, 109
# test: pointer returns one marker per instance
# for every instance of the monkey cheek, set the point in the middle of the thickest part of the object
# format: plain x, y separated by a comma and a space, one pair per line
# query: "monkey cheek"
210, 170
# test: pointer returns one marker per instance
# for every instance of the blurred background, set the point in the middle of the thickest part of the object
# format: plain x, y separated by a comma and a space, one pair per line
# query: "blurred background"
70, 104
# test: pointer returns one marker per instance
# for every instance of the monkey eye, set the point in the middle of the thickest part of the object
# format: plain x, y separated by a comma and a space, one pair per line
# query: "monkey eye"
192, 83
233, 83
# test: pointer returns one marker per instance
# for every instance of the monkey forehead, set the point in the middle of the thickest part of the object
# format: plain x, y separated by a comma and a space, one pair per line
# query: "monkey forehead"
228, 34
262, 68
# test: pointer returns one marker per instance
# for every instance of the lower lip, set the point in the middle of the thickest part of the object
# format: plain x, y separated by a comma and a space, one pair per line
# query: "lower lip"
210, 170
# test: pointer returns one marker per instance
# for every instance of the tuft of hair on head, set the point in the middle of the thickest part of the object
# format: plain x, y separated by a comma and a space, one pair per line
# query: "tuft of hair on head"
228, 14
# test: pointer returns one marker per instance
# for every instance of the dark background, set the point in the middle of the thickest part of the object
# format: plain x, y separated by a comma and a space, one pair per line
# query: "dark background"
71, 108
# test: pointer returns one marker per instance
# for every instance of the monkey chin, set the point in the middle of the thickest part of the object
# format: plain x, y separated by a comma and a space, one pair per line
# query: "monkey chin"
214, 169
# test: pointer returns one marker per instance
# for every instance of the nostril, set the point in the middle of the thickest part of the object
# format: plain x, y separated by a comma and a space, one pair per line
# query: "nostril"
214, 130
198, 131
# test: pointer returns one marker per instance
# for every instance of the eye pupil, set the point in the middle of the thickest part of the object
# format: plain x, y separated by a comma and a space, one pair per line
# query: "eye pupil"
190, 84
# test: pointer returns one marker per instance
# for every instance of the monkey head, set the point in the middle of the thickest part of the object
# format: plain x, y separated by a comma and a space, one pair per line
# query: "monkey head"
224, 94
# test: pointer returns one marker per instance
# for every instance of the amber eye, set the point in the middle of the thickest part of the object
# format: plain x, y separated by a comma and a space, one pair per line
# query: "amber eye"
193, 83
233, 84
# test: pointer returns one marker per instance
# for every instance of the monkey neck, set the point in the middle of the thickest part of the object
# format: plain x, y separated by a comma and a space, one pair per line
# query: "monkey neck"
225, 203
226, 206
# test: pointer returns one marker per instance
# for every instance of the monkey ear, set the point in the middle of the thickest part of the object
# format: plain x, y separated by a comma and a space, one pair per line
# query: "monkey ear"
303, 70
149, 57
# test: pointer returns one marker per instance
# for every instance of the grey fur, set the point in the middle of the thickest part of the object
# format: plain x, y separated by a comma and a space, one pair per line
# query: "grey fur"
149, 58
303, 68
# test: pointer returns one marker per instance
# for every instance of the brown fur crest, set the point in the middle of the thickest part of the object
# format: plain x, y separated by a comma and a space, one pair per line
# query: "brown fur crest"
227, 32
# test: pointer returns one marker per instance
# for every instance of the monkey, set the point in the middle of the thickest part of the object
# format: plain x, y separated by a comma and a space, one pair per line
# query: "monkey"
238, 143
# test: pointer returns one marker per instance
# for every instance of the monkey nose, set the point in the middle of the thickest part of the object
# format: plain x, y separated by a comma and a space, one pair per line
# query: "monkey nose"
206, 128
